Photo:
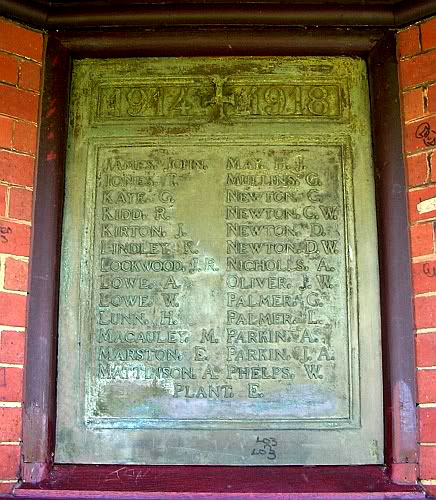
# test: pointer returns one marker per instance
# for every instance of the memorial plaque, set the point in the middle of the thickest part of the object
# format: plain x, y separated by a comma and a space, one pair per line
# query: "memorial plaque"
219, 289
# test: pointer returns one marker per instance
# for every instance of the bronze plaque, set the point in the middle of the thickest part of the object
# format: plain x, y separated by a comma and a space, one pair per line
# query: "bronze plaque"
219, 294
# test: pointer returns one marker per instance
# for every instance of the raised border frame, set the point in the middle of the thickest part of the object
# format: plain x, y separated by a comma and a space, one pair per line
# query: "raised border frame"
44, 479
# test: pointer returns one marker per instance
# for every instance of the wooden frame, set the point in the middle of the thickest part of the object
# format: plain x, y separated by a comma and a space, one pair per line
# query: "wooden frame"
43, 479
58, 14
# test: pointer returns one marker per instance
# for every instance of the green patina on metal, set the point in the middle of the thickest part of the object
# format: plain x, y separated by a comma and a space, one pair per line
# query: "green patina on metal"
219, 296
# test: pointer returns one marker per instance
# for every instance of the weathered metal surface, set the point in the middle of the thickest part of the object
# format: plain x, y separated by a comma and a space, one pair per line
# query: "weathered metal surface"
219, 296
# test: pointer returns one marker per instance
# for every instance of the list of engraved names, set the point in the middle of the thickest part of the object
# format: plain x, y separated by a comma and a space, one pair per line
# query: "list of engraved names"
221, 282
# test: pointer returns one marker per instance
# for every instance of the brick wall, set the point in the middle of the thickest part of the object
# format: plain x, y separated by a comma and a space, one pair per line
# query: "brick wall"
20, 72
417, 66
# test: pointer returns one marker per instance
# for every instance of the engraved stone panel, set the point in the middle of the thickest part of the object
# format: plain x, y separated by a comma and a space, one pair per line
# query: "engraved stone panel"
219, 289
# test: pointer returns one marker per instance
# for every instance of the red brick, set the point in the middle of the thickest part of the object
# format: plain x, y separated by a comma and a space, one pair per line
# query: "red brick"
16, 274
420, 134
426, 383
12, 345
419, 69
425, 195
25, 137
408, 42
413, 104
417, 169
427, 462
428, 34
7, 487
431, 98
20, 41
432, 156
14, 239
11, 384
13, 309
16, 169
9, 461
426, 349
10, 430
20, 204
425, 312
3, 191
6, 130
427, 425
421, 239
19, 103
30, 75
8, 69
424, 277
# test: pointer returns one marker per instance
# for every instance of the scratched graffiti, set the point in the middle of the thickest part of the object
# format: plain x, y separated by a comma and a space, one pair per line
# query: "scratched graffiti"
426, 133
5, 231
429, 270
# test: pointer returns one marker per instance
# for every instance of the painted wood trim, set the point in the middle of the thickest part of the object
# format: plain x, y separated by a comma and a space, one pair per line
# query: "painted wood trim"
40, 380
112, 481
395, 260
217, 42
47, 15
